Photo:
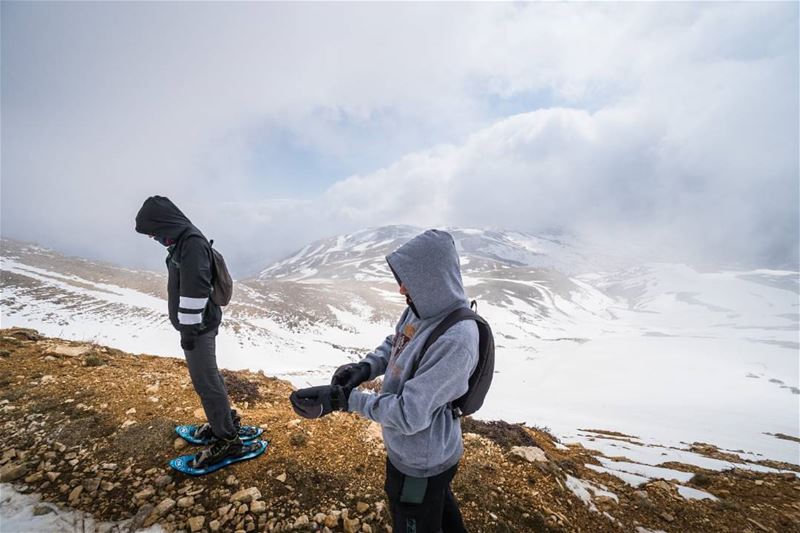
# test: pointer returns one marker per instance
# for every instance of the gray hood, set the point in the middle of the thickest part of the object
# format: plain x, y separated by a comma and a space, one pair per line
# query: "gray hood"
429, 268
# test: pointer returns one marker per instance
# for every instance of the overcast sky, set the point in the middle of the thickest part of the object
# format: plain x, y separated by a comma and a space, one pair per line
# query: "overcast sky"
670, 124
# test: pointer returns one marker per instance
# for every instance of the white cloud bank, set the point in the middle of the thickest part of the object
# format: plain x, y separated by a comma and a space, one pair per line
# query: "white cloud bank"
672, 124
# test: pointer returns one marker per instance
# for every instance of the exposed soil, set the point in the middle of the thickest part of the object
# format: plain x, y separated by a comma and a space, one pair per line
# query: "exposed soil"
107, 417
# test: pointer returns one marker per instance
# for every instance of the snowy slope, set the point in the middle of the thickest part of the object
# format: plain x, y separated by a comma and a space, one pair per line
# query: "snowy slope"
660, 351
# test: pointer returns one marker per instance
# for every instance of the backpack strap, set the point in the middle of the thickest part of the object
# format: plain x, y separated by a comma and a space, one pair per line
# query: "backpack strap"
462, 313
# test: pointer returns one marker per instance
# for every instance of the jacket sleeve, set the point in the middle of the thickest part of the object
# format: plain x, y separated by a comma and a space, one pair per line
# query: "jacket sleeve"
378, 359
442, 377
195, 285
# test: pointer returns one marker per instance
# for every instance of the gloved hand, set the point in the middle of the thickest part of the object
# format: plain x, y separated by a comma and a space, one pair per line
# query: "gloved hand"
188, 341
351, 375
316, 402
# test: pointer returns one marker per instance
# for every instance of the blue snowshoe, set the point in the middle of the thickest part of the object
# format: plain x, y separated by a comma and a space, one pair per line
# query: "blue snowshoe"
219, 455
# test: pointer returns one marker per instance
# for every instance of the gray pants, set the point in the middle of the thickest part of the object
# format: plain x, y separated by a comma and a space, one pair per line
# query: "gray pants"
208, 384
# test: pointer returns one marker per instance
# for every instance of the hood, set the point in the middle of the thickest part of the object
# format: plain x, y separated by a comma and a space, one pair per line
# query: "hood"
429, 268
159, 216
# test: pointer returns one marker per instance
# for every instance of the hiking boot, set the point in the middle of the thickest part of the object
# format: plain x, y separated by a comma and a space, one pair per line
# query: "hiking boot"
219, 451
206, 434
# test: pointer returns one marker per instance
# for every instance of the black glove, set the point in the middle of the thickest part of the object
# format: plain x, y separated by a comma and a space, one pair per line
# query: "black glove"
187, 341
315, 402
351, 375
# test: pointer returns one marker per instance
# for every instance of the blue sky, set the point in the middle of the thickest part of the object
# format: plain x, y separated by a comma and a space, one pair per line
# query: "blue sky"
272, 124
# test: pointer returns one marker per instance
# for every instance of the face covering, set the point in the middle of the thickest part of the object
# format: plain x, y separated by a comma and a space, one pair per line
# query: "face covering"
165, 241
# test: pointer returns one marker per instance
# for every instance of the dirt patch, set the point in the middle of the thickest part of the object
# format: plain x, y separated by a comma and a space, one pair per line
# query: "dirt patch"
501, 433
240, 389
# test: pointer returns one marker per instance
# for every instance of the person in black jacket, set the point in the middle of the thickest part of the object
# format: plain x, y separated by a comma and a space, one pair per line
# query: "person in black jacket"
197, 317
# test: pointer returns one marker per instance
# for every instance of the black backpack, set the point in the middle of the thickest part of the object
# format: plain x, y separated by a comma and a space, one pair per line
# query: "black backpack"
481, 378
221, 280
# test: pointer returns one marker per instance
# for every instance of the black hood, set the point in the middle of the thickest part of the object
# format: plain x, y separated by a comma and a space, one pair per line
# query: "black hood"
160, 217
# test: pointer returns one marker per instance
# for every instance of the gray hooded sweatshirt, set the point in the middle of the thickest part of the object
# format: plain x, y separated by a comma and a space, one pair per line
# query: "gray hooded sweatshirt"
421, 435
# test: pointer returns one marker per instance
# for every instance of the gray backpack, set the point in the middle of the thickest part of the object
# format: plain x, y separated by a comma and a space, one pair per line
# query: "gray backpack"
221, 280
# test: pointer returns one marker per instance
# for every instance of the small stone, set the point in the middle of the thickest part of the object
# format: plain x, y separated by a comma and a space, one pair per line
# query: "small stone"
231, 480
301, 521
666, 516
366, 528
131, 411
362, 507
199, 413
258, 507
33, 478
186, 501
140, 516
75, 494
91, 484
145, 493
52, 476
351, 526
281, 477
179, 444
12, 471
128, 423
151, 389
40, 509
246, 495
153, 399
332, 520
108, 466
662, 485
107, 486
222, 511
196, 523
319, 518
532, 454
163, 481
242, 509
293, 423
759, 482
214, 525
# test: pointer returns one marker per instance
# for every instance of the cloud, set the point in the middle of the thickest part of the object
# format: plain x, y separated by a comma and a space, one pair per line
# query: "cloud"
647, 122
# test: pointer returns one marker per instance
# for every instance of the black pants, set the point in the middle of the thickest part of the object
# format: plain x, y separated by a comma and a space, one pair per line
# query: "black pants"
423, 505
209, 386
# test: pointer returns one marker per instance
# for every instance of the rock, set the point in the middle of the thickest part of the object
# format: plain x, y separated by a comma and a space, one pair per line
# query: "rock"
214, 525
41, 509
331, 520
140, 516
293, 423
196, 523
106, 486
35, 477
366, 528
179, 444
532, 454
759, 525
281, 477
222, 511
13, 471
131, 411
242, 509
91, 484
47, 379
163, 481
69, 351
128, 423
75, 494
662, 485
258, 507
301, 521
159, 510
362, 507
246, 495
186, 501
319, 518
759, 482
153, 399
145, 493
199, 413
52, 476
351, 526
666, 516
231, 480
151, 389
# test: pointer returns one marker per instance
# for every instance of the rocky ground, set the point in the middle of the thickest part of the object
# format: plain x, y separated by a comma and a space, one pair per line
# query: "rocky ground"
91, 428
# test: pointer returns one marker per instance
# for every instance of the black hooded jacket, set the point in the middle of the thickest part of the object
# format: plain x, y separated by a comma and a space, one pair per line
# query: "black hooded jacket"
189, 265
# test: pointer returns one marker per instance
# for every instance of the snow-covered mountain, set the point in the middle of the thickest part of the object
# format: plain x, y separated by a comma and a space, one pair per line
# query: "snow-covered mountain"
584, 338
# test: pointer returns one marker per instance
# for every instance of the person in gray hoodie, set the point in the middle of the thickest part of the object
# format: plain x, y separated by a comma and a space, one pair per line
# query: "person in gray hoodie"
421, 432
